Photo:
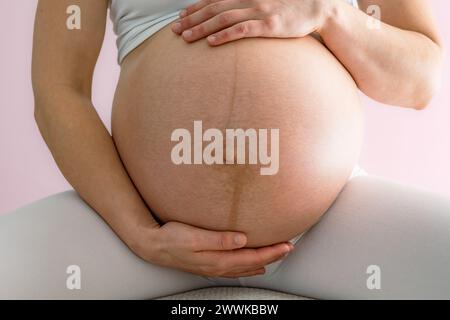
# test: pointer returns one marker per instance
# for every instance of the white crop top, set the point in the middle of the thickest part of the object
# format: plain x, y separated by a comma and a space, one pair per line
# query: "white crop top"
137, 20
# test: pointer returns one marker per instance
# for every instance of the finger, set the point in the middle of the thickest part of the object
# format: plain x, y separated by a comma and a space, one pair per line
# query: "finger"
219, 22
246, 258
205, 14
197, 6
246, 29
256, 272
206, 240
276, 258
224, 262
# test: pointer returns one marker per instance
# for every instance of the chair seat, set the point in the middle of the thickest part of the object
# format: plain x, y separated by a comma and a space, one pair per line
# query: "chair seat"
233, 293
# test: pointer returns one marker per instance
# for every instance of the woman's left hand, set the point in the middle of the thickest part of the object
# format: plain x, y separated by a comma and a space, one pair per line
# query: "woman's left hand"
222, 21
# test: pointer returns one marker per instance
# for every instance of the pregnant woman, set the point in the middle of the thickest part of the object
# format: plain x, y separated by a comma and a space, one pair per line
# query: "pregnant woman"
141, 225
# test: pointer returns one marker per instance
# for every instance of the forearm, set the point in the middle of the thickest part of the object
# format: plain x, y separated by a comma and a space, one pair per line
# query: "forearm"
390, 65
86, 155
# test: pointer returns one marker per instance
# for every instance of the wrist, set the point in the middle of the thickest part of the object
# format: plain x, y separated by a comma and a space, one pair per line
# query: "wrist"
331, 10
138, 232
143, 241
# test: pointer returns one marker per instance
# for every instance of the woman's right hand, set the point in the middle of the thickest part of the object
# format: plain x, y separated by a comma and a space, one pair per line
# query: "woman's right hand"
204, 252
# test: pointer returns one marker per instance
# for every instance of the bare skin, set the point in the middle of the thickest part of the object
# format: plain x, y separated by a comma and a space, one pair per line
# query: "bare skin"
399, 63
63, 64
293, 85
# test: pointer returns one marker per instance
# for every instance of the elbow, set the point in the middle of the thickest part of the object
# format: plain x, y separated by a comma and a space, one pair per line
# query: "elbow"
43, 107
429, 84
39, 92
37, 110
422, 98
416, 95
38, 117
414, 90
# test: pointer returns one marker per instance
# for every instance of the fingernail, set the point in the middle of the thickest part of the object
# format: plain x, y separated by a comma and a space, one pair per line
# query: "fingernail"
211, 39
239, 239
187, 34
176, 27
182, 13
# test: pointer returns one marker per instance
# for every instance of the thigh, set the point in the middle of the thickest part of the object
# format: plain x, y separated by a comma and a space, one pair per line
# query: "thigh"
403, 230
39, 242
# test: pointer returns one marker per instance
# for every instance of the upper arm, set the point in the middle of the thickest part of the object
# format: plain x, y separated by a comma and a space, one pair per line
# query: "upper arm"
62, 56
412, 15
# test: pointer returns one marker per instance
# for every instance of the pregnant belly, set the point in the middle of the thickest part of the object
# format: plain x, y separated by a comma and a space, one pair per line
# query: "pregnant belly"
295, 86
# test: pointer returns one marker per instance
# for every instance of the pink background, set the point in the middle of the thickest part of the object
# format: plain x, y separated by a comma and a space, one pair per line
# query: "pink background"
409, 146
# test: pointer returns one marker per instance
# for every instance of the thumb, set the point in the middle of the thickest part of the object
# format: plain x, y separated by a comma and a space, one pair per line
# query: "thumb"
220, 240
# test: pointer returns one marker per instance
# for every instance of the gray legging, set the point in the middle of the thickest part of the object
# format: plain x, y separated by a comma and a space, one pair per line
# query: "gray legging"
403, 230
